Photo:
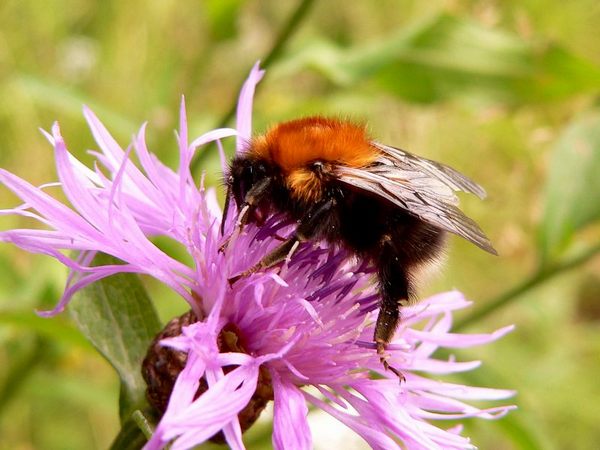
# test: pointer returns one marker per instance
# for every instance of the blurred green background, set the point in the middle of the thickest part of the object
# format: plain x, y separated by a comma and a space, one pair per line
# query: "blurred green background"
506, 91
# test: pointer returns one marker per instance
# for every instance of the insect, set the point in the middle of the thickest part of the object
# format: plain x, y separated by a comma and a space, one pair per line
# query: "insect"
381, 203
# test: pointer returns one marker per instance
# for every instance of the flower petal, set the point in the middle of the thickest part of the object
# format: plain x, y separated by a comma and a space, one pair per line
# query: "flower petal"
244, 107
290, 426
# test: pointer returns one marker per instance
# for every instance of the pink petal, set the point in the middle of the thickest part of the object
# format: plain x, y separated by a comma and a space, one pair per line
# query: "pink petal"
290, 426
214, 409
453, 340
60, 216
244, 108
371, 433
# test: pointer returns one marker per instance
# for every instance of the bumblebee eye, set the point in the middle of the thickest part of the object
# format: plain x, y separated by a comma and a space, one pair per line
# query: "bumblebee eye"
247, 175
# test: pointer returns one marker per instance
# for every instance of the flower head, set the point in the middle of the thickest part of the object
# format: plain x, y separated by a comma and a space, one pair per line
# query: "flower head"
308, 324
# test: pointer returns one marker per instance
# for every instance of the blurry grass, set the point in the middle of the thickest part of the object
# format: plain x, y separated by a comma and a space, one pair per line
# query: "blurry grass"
131, 61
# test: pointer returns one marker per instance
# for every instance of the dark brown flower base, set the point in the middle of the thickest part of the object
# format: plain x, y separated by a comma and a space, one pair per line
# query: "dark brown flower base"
162, 365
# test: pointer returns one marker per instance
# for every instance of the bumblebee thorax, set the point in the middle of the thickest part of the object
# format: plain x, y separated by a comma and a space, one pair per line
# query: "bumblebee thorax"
295, 144
308, 183
305, 150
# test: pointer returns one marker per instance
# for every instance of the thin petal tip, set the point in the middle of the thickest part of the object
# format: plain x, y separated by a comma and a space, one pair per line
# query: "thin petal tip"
50, 313
256, 70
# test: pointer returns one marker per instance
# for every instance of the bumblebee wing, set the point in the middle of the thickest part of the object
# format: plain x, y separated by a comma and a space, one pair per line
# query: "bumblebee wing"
422, 187
441, 172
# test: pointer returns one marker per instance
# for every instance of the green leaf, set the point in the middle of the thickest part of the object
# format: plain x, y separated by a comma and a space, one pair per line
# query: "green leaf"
118, 318
450, 57
57, 328
571, 198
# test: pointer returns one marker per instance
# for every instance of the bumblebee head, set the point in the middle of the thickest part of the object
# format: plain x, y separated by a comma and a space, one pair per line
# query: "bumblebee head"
245, 172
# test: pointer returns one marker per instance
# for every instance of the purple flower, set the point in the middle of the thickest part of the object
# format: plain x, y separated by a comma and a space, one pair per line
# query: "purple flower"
309, 324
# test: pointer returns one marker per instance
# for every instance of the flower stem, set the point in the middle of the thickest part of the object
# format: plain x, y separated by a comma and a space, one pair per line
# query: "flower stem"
20, 372
143, 423
532, 282
284, 35
286, 32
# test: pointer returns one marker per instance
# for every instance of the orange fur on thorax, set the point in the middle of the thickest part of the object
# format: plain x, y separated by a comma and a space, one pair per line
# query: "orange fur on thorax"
293, 145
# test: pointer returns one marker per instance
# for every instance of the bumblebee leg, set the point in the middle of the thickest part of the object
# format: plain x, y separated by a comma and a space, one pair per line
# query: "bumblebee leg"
276, 256
395, 290
306, 230
251, 200
226, 206
387, 321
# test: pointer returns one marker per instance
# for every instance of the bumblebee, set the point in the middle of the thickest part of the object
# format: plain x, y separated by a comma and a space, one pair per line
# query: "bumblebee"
381, 203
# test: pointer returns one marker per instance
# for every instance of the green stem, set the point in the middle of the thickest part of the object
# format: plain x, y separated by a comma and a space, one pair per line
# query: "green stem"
143, 423
286, 31
284, 35
133, 434
537, 279
20, 372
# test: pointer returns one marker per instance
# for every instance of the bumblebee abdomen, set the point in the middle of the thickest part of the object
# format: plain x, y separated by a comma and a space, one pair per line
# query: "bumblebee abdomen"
371, 227
295, 144
363, 220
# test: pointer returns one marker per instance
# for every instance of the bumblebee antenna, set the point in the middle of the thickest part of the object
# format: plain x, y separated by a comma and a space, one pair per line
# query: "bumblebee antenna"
226, 208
